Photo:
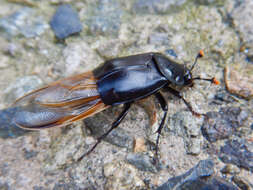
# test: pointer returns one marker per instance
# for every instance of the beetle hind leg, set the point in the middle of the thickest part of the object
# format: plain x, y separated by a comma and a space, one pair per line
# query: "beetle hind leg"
115, 124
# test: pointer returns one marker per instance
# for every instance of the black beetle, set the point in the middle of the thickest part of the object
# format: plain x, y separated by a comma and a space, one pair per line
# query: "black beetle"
117, 81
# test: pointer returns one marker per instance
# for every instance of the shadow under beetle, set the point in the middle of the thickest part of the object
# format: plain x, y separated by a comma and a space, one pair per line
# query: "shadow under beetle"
118, 81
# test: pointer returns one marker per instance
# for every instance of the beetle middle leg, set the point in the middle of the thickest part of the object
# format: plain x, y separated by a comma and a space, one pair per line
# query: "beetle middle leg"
115, 124
178, 94
164, 106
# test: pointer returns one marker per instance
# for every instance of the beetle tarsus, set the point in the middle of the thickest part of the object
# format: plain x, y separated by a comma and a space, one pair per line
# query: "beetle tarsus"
114, 125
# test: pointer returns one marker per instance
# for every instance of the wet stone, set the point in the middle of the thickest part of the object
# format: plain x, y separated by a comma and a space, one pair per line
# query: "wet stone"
238, 153
141, 161
222, 124
65, 22
23, 22
239, 81
156, 6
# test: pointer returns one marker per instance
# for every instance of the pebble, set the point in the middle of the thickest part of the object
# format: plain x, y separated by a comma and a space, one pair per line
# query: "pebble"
65, 22
139, 145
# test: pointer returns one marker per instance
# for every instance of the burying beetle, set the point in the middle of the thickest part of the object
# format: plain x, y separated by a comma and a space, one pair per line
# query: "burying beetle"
117, 81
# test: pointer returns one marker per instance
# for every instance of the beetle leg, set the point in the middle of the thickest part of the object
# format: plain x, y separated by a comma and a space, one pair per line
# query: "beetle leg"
115, 124
178, 94
164, 106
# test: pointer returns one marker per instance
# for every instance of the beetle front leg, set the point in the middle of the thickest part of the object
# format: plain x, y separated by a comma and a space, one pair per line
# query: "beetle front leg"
115, 124
178, 94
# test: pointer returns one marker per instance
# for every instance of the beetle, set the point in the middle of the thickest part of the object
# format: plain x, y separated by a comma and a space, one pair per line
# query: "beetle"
121, 80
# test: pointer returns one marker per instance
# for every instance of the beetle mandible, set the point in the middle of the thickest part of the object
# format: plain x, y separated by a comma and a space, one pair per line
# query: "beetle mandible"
118, 81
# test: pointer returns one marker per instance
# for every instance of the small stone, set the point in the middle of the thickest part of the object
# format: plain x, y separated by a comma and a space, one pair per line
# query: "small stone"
65, 22
230, 169
140, 145
239, 81
141, 161
121, 175
222, 124
25, 22
238, 153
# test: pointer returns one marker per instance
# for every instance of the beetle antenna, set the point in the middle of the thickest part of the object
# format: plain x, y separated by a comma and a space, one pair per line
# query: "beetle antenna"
212, 80
200, 54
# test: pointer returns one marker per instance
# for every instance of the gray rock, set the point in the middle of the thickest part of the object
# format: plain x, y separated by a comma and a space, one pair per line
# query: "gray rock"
222, 124
238, 153
65, 22
24, 22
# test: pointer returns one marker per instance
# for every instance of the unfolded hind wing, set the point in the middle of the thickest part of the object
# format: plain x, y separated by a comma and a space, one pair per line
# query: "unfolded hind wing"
59, 103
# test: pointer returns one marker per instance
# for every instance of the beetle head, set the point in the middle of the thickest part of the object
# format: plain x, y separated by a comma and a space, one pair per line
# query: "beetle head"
179, 74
